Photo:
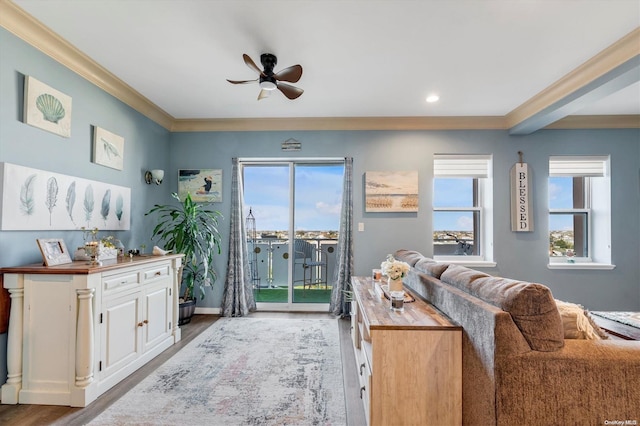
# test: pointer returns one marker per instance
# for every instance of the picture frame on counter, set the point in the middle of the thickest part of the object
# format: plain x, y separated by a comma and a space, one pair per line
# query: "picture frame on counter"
54, 251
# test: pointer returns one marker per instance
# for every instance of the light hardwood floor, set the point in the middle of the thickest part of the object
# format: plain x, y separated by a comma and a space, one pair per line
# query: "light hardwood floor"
37, 415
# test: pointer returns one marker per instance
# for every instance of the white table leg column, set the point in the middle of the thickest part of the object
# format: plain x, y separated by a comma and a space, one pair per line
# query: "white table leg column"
177, 279
11, 388
84, 342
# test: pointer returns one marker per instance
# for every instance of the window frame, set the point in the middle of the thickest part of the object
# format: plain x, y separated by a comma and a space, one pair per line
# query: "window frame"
598, 244
483, 206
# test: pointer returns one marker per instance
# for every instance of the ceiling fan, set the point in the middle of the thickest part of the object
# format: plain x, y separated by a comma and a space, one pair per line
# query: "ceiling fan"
269, 80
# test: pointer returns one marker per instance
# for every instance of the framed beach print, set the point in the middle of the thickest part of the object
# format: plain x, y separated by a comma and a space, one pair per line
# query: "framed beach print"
204, 185
54, 251
391, 191
108, 148
46, 107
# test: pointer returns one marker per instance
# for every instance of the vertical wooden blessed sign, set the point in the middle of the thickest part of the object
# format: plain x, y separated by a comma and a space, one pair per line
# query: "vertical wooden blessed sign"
521, 207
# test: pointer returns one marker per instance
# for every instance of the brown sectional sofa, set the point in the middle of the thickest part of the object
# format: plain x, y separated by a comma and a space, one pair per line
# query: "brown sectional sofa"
518, 369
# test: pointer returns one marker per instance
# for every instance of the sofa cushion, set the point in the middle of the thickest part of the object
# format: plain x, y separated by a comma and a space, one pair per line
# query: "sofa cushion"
531, 305
577, 323
409, 256
431, 267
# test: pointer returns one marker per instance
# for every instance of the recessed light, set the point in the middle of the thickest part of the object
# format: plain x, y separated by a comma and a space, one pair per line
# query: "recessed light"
433, 98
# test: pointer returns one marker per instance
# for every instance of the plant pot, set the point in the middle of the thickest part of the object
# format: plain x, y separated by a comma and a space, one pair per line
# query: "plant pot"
185, 311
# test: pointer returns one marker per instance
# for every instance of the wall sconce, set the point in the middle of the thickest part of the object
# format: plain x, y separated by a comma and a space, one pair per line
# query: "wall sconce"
154, 176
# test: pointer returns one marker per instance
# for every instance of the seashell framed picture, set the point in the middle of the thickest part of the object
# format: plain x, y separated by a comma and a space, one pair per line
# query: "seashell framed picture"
46, 107
108, 148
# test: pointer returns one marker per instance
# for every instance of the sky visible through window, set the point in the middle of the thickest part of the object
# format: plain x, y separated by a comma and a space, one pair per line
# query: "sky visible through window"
453, 192
561, 197
318, 196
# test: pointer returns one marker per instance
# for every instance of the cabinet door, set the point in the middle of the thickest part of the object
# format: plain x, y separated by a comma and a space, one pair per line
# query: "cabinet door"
121, 327
157, 313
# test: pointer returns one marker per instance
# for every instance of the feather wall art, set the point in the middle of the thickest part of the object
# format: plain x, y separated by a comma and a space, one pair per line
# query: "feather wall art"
106, 201
26, 195
52, 196
71, 200
88, 204
26, 191
119, 206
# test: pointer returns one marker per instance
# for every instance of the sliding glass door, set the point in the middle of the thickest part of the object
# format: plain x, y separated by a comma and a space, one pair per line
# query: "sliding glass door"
292, 211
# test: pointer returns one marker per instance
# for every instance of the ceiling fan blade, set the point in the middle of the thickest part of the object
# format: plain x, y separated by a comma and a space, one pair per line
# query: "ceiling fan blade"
251, 64
263, 94
242, 81
290, 91
291, 74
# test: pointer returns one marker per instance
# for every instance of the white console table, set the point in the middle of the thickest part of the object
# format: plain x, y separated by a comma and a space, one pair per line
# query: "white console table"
75, 330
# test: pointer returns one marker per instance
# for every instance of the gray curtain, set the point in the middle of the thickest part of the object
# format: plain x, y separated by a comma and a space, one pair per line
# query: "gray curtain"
237, 299
344, 256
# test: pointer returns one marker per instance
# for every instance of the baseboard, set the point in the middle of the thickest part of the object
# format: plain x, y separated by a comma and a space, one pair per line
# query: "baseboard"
208, 311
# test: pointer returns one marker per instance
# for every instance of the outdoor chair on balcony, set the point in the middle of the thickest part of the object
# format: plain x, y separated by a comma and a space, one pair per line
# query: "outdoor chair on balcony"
314, 264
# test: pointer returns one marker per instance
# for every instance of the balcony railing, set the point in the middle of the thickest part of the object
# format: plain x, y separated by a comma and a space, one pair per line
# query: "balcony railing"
270, 266
453, 247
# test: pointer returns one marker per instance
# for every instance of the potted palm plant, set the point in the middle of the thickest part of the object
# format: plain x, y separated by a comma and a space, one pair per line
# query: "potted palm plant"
189, 228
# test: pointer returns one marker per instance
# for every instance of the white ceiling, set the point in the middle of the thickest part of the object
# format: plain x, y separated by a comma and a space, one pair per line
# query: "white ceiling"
361, 58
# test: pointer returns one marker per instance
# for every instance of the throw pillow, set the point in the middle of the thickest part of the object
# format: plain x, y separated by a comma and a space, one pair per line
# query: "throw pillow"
577, 322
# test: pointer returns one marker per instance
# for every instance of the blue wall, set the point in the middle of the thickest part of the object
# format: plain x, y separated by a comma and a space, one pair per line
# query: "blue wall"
148, 145
518, 255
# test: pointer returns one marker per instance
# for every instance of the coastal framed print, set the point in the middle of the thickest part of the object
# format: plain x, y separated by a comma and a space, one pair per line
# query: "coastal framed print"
108, 148
35, 199
204, 185
46, 107
391, 191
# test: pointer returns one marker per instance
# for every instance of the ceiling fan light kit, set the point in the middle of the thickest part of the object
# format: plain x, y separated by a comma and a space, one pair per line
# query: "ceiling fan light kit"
269, 80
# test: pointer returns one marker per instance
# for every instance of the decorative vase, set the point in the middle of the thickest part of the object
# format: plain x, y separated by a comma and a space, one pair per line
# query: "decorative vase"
394, 285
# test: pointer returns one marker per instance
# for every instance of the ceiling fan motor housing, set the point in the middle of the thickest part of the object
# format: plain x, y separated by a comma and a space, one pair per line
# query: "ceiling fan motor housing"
269, 62
268, 81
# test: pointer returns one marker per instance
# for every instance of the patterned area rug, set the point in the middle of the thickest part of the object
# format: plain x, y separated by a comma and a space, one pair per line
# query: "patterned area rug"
243, 371
628, 318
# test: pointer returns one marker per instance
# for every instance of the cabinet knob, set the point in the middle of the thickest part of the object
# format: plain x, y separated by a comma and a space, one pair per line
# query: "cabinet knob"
146, 321
361, 367
361, 390
140, 324
158, 273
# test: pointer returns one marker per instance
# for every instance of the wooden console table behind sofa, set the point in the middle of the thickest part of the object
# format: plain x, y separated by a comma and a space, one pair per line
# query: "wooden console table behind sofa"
76, 330
409, 363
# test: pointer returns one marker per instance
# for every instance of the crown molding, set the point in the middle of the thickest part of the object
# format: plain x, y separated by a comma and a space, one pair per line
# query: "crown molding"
597, 122
338, 123
614, 56
21, 24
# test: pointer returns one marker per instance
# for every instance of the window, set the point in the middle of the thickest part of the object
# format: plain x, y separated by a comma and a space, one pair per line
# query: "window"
579, 211
462, 208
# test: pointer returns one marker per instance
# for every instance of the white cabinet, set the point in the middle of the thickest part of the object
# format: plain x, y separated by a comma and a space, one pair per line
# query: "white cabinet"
75, 330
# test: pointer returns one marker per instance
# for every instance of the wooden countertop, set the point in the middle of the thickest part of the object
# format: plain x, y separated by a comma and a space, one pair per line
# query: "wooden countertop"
82, 267
416, 315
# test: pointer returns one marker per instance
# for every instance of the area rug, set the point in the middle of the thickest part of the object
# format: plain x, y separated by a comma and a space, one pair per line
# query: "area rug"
243, 371
628, 318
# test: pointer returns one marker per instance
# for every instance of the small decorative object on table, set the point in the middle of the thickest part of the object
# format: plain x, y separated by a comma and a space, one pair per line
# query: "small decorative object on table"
395, 270
96, 250
376, 274
54, 251
397, 301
